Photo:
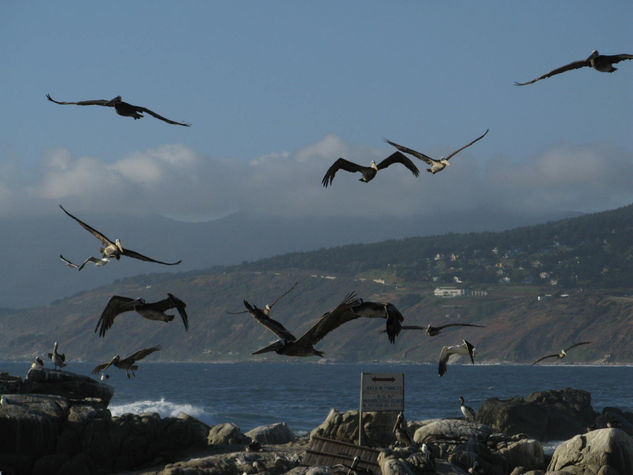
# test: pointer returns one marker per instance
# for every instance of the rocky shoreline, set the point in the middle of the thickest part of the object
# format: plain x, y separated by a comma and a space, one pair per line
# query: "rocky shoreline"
65, 434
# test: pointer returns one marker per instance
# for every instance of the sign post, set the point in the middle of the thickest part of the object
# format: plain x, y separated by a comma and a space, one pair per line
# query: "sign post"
380, 392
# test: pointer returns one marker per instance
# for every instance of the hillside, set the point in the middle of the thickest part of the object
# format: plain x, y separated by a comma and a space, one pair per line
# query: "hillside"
587, 262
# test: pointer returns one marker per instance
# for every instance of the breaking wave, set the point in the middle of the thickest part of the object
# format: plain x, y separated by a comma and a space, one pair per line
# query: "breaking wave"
162, 407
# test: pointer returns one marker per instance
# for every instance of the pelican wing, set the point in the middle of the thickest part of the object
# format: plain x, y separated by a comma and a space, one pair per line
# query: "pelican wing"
145, 109
140, 354
382, 310
616, 58
555, 355
467, 145
412, 327
96, 260
332, 320
283, 295
577, 344
172, 302
115, 306
68, 263
273, 325
458, 325
96, 102
101, 237
415, 153
397, 157
445, 354
100, 367
568, 67
136, 255
340, 164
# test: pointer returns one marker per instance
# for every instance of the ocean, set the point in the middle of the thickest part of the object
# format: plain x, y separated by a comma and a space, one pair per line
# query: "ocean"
301, 394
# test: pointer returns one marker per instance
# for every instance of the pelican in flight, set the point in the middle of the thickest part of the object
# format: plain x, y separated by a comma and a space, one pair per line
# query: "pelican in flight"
152, 311
381, 310
597, 61
111, 249
58, 359
436, 165
469, 413
121, 108
269, 307
98, 261
127, 363
289, 345
368, 172
434, 331
562, 352
465, 348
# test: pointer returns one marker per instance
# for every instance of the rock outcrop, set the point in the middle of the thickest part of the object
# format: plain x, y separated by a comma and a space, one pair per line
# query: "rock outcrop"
377, 427
277, 434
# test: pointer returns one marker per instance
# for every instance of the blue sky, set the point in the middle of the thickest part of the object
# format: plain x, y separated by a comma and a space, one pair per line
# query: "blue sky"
277, 90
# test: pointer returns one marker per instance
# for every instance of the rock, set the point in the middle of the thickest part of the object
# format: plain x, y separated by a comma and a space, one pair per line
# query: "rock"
526, 453
226, 434
616, 418
278, 433
435, 430
377, 428
602, 451
546, 415
65, 383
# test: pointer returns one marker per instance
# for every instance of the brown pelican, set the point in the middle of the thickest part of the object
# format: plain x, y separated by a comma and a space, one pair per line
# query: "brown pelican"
597, 61
57, 358
37, 363
436, 165
434, 331
465, 348
97, 262
152, 311
121, 108
368, 172
269, 307
400, 431
111, 248
469, 413
127, 363
381, 310
289, 345
562, 352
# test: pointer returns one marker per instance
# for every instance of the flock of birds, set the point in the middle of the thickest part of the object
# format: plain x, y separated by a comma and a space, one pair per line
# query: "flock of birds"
350, 308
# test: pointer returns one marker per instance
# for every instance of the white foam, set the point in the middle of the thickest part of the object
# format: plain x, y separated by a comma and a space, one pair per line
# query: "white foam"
162, 407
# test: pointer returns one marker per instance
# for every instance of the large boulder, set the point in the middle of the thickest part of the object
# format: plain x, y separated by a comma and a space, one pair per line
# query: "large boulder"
602, 451
226, 434
377, 427
544, 415
278, 433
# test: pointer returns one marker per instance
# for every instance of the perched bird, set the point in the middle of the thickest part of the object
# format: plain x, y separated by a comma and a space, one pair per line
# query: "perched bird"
37, 363
434, 331
469, 413
597, 61
121, 108
289, 345
465, 348
127, 363
269, 307
152, 311
562, 352
368, 172
112, 249
58, 359
436, 165
97, 262
400, 431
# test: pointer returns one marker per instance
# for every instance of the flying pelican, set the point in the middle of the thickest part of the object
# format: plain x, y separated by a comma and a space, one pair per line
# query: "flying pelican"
434, 331
436, 165
469, 413
368, 172
127, 363
57, 358
597, 61
401, 432
269, 307
111, 248
97, 262
121, 108
304, 346
381, 310
562, 352
152, 311
465, 348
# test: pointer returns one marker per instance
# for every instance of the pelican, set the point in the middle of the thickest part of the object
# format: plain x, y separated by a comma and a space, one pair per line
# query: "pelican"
269, 307
96, 260
469, 413
436, 165
152, 311
401, 432
127, 363
112, 249
562, 352
57, 358
597, 61
381, 310
368, 172
304, 346
465, 348
121, 108
434, 331
37, 363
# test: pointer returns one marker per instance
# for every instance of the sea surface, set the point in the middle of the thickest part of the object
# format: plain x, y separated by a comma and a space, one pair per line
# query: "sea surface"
301, 394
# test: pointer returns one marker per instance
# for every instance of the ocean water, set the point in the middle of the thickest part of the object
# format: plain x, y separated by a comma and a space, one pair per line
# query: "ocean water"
301, 394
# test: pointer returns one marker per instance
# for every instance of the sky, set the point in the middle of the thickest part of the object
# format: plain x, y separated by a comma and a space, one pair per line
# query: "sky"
276, 91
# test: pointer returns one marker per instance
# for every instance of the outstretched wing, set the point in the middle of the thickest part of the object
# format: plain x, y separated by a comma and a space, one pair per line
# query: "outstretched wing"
101, 237
283, 295
172, 302
68, 263
332, 320
458, 325
467, 145
545, 357
616, 58
145, 109
444, 355
100, 367
140, 354
397, 157
340, 164
577, 344
562, 69
273, 325
96, 102
115, 306
410, 151
136, 255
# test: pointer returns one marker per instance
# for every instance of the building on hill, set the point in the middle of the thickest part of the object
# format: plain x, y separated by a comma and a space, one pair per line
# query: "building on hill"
451, 292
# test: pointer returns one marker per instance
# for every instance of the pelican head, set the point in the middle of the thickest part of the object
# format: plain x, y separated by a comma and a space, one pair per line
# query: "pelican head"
563, 353
267, 310
118, 245
461, 400
373, 165
445, 162
594, 54
116, 359
114, 101
428, 329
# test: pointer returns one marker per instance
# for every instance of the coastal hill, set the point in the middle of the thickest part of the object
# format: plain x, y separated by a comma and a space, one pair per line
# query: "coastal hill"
536, 289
